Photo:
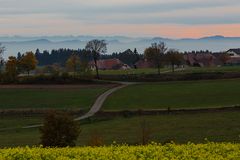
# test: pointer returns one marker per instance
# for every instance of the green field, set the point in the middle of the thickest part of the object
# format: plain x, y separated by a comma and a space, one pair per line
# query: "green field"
181, 128
133, 71
169, 70
192, 94
210, 69
56, 98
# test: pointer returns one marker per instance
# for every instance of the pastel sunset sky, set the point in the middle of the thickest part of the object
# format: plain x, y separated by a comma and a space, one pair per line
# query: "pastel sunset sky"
166, 18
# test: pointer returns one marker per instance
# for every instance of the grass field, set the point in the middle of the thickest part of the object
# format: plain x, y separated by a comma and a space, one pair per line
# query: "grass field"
169, 69
42, 98
210, 69
192, 94
133, 71
181, 128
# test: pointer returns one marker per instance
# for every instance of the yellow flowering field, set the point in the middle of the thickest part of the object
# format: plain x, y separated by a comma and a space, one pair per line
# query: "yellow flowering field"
211, 151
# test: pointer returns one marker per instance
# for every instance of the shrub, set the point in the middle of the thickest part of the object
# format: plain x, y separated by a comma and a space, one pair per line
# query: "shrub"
59, 130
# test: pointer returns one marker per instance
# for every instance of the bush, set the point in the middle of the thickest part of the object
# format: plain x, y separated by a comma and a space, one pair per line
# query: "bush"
59, 130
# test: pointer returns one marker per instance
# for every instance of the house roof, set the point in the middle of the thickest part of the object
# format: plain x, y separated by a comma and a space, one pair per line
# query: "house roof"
236, 50
203, 59
143, 63
107, 63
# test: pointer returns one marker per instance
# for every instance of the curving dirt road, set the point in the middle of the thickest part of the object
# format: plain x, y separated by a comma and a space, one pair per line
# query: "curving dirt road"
99, 102
96, 106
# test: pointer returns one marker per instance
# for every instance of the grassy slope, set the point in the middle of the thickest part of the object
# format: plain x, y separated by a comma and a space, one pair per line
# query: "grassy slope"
49, 98
181, 128
197, 94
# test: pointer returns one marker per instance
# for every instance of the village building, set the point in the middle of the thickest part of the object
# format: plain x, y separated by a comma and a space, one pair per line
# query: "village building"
109, 64
234, 56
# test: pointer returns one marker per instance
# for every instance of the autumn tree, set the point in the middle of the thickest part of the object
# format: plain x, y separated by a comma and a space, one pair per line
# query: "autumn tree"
224, 57
96, 48
155, 54
12, 67
28, 62
173, 57
73, 64
59, 130
2, 49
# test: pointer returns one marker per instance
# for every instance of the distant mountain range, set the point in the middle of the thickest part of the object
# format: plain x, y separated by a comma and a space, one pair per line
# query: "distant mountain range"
21, 44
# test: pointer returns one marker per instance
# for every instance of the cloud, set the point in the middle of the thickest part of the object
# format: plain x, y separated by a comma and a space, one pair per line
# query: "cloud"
44, 15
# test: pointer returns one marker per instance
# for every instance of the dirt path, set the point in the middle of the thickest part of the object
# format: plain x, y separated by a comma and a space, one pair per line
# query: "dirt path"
96, 106
99, 102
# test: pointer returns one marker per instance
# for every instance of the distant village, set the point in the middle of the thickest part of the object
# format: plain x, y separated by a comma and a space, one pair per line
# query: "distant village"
194, 59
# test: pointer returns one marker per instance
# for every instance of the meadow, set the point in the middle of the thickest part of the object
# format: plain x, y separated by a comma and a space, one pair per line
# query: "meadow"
133, 71
211, 69
169, 70
187, 94
180, 128
60, 97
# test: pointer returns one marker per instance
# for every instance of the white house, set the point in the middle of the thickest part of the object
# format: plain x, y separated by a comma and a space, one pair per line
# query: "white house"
234, 53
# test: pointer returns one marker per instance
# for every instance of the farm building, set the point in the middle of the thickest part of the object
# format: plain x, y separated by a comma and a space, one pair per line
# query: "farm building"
109, 64
234, 56
234, 53
200, 60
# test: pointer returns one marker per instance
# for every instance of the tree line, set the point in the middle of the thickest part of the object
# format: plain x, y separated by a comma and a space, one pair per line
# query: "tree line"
77, 61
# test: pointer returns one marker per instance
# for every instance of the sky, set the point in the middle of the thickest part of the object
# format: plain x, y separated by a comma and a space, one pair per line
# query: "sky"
136, 18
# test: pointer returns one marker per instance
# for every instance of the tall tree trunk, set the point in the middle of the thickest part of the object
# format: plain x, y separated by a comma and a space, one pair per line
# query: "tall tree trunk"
96, 66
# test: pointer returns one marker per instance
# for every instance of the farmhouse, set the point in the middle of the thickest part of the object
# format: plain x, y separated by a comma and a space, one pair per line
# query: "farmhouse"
234, 53
234, 56
200, 60
109, 64
143, 63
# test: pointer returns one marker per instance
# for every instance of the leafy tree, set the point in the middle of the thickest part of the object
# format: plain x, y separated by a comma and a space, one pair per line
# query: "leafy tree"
155, 54
2, 49
19, 56
28, 62
135, 51
12, 67
73, 64
224, 57
59, 130
54, 69
174, 58
96, 48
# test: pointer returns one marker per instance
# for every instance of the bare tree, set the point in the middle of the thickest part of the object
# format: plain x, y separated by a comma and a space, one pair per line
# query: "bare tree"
2, 49
155, 54
96, 48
